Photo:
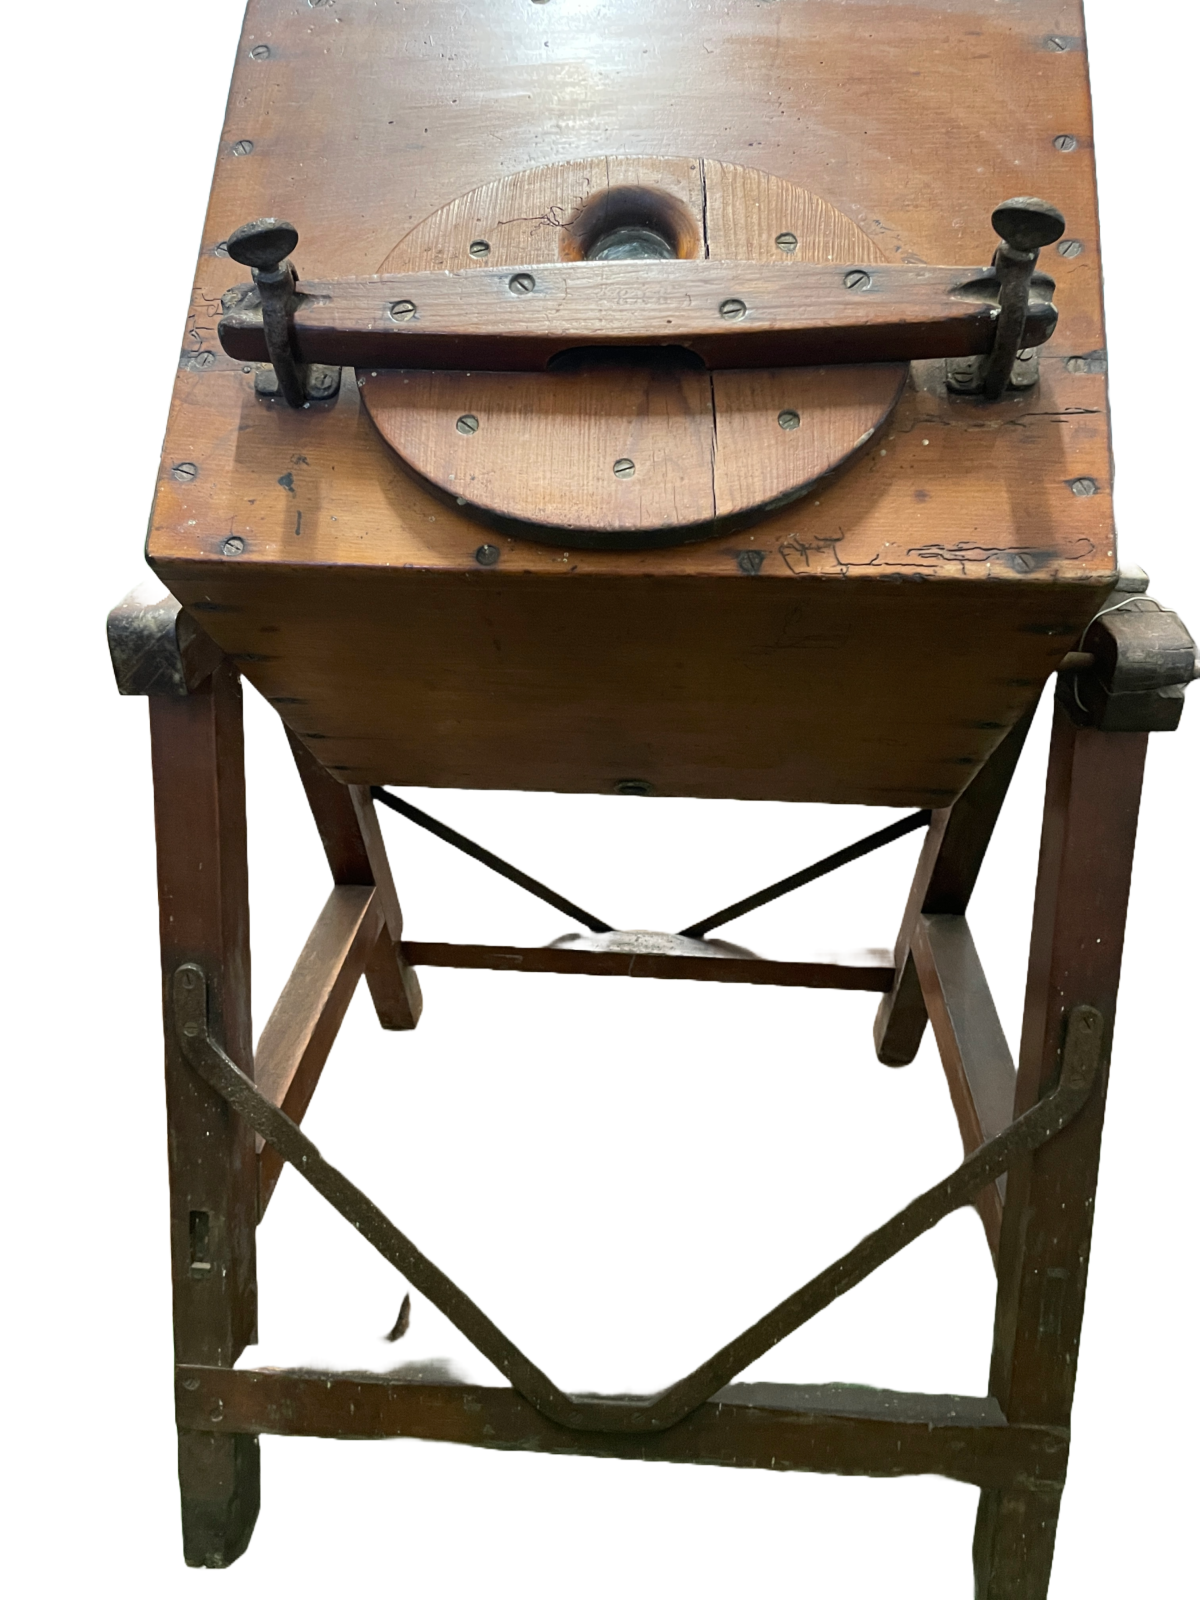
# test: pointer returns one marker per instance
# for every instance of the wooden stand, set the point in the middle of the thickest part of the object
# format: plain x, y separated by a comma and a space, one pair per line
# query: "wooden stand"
1013, 1444
445, 568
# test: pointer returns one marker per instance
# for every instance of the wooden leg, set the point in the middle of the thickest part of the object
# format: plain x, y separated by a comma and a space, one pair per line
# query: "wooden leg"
954, 849
349, 830
200, 826
1092, 795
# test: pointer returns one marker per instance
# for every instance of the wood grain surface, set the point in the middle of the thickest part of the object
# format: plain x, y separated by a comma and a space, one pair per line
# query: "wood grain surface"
869, 643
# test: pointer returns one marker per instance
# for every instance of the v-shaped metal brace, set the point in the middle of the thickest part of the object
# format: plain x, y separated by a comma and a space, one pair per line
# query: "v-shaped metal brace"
1081, 1056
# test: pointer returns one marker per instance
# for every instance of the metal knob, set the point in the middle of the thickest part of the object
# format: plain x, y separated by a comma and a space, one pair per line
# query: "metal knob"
1025, 225
263, 245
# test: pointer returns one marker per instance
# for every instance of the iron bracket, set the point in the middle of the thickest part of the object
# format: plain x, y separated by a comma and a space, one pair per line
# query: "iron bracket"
1081, 1061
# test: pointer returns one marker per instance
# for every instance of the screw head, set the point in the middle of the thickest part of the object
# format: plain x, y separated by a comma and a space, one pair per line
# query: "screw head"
487, 555
261, 52
478, 248
233, 546
788, 420
402, 310
243, 147
785, 242
1083, 488
521, 283
185, 471
857, 279
1070, 248
624, 468
732, 310
1065, 142
467, 424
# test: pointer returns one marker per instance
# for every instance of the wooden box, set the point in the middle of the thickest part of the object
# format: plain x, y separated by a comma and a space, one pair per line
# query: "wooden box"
870, 643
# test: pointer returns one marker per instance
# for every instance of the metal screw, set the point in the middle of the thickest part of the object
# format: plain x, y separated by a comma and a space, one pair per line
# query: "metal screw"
1065, 141
624, 468
750, 562
467, 424
858, 279
402, 311
261, 52
788, 420
233, 547
1070, 248
633, 786
1056, 41
243, 147
487, 555
1083, 487
785, 242
479, 247
185, 471
732, 310
521, 283
221, 249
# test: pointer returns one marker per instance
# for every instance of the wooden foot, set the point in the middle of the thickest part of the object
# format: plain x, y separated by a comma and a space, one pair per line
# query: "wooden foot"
219, 1494
1014, 1543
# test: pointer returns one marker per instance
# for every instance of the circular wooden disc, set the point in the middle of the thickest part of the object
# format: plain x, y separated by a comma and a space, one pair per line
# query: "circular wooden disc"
617, 455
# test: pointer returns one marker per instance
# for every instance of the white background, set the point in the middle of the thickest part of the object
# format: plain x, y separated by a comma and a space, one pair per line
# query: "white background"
622, 1174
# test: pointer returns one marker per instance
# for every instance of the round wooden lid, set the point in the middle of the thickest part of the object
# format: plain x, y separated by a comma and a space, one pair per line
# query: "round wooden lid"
630, 449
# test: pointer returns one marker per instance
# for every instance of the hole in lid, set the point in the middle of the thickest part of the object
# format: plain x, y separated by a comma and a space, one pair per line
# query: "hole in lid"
630, 223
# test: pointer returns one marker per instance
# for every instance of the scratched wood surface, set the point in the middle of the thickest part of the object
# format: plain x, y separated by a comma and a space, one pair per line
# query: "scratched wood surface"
871, 642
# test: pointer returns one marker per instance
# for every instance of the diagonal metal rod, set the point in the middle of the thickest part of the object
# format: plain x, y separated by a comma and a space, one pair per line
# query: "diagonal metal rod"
1081, 1059
840, 858
470, 848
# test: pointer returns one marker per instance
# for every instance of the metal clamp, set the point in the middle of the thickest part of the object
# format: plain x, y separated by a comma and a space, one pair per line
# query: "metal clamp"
264, 246
1025, 225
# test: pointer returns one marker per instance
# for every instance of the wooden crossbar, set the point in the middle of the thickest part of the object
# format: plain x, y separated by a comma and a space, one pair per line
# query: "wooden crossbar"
622, 964
304, 1024
831, 1428
975, 1055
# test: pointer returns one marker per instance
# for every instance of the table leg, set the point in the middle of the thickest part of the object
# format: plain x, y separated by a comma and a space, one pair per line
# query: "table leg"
200, 826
